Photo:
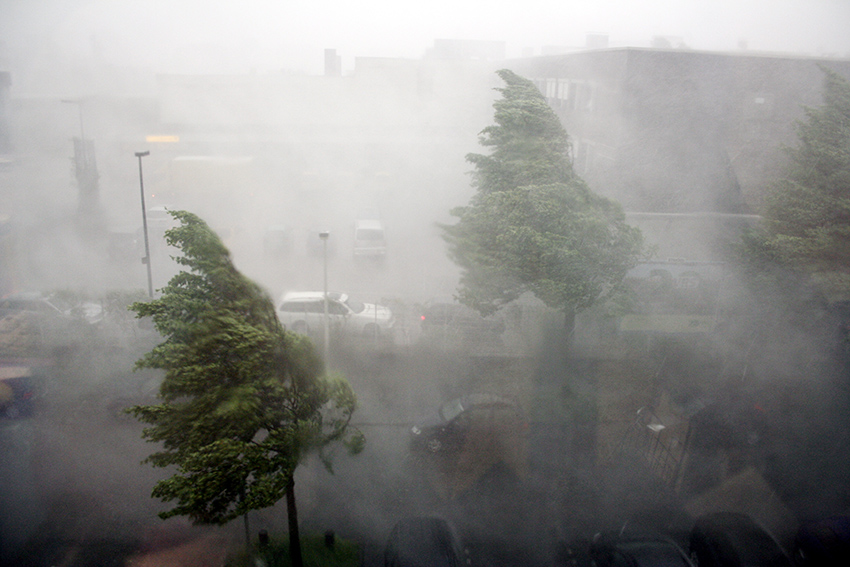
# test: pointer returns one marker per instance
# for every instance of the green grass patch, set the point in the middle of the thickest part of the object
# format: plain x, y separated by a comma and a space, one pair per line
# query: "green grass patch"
314, 551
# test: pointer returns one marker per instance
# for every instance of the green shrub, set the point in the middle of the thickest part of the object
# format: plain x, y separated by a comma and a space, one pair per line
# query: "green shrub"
345, 553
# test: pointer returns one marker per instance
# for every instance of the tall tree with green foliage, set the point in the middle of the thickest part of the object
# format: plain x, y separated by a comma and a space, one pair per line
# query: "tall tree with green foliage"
533, 223
807, 213
243, 400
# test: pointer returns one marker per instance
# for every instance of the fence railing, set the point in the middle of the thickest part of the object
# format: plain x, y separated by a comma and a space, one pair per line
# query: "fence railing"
645, 438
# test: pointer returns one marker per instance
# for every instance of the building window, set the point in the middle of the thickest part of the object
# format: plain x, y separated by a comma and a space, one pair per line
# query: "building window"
585, 99
571, 96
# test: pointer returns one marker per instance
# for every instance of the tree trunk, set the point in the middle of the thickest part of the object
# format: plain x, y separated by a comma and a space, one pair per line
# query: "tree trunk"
569, 328
292, 517
247, 531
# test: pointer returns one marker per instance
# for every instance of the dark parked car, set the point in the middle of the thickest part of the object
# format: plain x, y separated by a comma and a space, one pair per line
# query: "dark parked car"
823, 543
728, 539
470, 437
447, 314
423, 542
50, 309
456, 419
625, 550
17, 392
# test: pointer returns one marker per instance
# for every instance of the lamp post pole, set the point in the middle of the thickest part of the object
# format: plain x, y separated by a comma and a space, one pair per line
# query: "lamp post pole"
324, 236
79, 103
147, 259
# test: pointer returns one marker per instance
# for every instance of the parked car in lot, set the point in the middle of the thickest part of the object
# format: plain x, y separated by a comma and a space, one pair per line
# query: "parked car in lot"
728, 539
38, 325
50, 307
448, 325
454, 420
625, 549
468, 437
17, 392
823, 543
369, 238
423, 542
447, 314
303, 312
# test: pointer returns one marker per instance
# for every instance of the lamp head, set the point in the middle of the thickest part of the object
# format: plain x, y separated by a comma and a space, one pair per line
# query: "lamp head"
143, 154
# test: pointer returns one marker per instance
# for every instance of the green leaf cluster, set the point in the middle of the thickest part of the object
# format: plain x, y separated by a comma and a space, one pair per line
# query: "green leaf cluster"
533, 224
242, 399
807, 212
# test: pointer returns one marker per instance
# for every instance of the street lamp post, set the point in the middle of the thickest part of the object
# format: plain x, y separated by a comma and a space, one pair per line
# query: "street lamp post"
324, 236
147, 259
79, 103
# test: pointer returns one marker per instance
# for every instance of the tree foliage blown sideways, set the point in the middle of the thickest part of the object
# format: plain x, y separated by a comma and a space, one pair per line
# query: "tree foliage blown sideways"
533, 223
807, 212
243, 400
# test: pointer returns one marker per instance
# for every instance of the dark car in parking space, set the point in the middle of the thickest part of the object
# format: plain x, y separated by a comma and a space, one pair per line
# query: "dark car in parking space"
455, 419
423, 541
449, 314
626, 549
729, 539
468, 438
17, 392
50, 309
823, 543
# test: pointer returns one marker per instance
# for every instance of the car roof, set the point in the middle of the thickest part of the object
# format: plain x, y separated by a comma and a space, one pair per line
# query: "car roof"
368, 223
311, 295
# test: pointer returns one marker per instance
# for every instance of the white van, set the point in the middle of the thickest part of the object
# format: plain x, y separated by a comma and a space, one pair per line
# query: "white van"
369, 238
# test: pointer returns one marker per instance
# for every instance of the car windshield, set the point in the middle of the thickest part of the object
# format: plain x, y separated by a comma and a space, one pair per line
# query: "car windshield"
452, 409
354, 305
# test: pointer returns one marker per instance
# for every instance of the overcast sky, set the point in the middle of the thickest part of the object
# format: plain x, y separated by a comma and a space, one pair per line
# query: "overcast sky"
238, 36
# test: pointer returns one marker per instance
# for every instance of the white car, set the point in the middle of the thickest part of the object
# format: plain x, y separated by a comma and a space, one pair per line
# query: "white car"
303, 312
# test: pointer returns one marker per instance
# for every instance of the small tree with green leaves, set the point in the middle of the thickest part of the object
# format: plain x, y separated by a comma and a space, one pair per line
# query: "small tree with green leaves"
243, 400
533, 223
807, 213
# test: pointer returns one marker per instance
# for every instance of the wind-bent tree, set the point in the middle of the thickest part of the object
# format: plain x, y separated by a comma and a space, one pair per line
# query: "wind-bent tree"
243, 400
807, 213
533, 223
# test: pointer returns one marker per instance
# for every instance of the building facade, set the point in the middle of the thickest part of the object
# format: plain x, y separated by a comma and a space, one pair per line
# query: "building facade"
679, 131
